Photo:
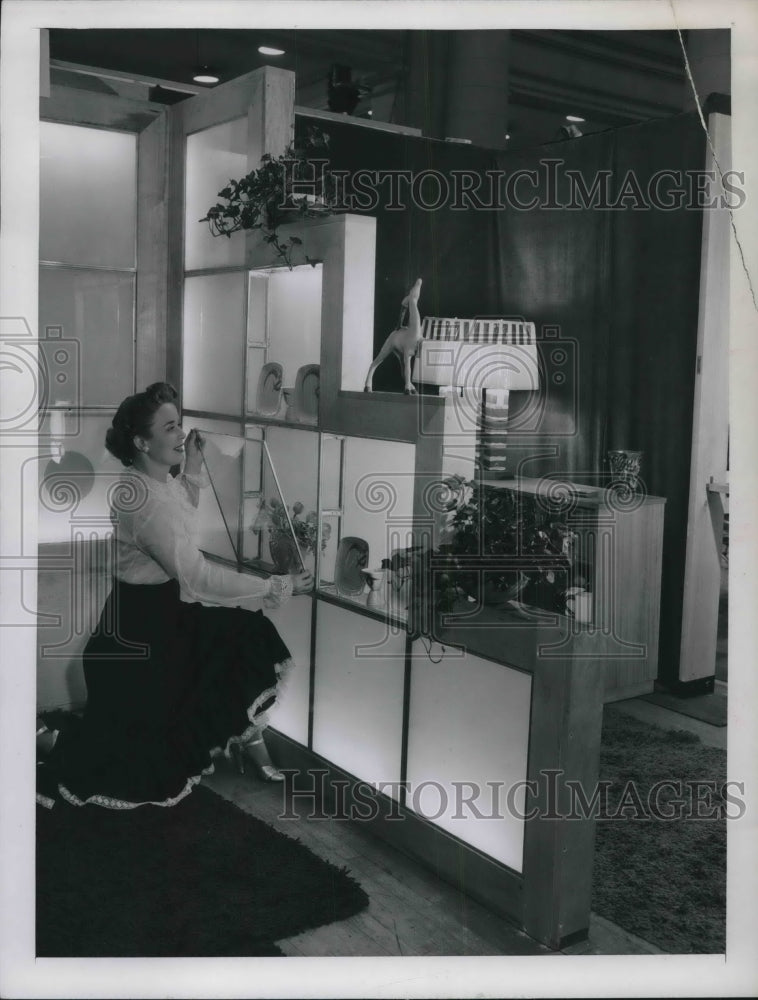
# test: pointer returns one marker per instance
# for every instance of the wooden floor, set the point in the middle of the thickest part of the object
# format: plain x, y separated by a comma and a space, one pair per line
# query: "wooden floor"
411, 912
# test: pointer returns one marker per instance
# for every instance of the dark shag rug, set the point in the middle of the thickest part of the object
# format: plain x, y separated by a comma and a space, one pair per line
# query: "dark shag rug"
662, 879
202, 879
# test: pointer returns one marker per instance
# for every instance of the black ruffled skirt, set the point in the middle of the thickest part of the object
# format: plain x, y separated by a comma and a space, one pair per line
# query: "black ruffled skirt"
169, 686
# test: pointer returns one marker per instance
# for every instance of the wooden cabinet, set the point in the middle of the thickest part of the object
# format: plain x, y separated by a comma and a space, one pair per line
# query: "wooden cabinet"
617, 548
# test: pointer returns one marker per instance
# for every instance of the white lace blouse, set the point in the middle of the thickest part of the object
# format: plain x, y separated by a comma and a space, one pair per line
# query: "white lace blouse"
156, 540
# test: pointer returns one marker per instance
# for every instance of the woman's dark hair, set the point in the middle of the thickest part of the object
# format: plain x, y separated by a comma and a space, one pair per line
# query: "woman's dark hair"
135, 417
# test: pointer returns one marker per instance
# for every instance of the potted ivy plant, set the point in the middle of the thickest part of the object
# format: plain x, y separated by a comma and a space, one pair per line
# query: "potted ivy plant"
296, 185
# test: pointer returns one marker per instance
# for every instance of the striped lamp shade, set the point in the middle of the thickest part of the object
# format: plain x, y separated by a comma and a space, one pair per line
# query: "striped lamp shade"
478, 353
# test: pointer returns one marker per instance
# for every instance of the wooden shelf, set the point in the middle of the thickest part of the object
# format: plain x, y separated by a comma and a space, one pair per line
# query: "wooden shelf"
583, 496
254, 418
722, 488
392, 615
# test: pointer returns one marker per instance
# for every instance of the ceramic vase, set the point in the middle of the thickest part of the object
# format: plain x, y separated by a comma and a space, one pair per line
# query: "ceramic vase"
625, 466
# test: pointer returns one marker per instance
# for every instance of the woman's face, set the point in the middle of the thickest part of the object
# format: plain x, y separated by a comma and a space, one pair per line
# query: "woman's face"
165, 445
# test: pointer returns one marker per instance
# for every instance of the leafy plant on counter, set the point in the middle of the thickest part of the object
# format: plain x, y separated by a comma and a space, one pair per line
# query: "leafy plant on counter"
526, 549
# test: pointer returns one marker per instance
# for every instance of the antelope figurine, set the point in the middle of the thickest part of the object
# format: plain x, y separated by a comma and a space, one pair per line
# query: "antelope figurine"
404, 341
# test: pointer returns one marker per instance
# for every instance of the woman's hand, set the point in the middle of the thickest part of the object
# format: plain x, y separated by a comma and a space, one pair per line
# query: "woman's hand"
193, 453
302, 583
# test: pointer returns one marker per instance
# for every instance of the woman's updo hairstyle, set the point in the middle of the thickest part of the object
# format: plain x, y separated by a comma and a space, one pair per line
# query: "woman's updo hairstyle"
134, 418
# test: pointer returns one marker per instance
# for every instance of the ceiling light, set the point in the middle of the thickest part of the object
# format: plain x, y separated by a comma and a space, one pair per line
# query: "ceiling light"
574, 118
507, 135
205, 75
266, 50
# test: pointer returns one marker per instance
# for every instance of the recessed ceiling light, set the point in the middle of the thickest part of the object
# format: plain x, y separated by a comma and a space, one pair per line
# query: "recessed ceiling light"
205, 75
266, 50
507, 135
574, 118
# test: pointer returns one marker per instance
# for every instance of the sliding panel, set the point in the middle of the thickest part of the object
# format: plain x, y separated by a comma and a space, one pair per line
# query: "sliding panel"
468, 736
214, 342
214, 156
358, 694
294, 319
88, 339
219, 505
88, 196
290, 714
378, 481
291, 480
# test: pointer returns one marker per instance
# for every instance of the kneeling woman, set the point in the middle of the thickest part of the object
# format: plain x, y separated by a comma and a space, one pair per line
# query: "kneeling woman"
170, 682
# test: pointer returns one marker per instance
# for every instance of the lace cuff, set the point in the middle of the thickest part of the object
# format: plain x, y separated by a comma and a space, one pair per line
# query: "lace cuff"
192, 484
199, 479
281, 591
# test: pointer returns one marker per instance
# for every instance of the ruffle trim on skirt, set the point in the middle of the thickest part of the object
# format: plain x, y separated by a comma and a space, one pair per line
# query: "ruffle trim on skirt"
258, 721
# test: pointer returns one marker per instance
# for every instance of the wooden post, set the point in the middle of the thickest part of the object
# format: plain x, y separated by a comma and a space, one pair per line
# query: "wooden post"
152, 252
564, 744
175, 249
710, 426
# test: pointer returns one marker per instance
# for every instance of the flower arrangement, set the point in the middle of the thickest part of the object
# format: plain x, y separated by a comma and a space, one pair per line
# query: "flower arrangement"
265, 198
273, 517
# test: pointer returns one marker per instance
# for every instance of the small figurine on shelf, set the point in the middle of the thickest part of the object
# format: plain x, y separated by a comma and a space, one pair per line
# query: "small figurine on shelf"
375, 579
288, 395
404, 341
400, 567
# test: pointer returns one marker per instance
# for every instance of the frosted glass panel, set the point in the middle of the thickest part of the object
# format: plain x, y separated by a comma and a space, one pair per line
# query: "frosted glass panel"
219, 507
295, 460
331, 472
214, 157
469, 723
71, 487
229, 427
256, 308
294, 318
256, 357
214, 342
252, 541
330, 533
378, 495
295, 457
290, 714
87, 324
88, 196
253, 438
358, 694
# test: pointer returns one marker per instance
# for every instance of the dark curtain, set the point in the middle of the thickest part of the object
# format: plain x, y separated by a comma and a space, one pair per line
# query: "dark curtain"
613, 293
551, 266
654, 293
449, 248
